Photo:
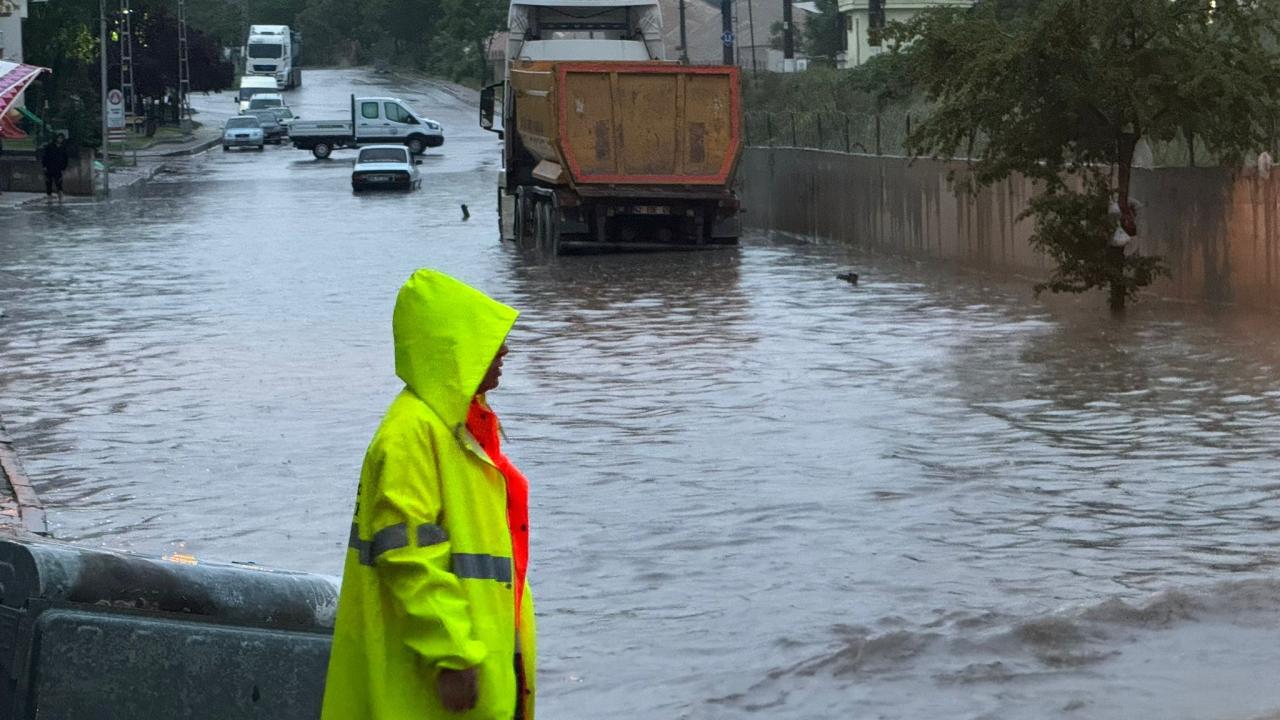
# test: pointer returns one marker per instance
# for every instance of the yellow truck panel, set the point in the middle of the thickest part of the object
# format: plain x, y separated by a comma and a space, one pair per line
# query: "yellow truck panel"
625, 123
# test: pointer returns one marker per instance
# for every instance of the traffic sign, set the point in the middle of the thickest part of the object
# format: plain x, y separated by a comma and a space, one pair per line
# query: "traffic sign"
727, 38
115, 110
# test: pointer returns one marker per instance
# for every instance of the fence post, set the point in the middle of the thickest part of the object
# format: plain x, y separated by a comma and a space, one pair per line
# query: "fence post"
1191, 148
768, 127
877, 134
793, 131
822, 145
846, 133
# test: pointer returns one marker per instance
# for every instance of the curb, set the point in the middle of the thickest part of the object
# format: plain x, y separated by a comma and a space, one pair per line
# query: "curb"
196, 149
20, 507
199, 147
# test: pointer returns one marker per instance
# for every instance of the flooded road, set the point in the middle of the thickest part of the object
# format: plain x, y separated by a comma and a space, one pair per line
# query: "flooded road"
758, 491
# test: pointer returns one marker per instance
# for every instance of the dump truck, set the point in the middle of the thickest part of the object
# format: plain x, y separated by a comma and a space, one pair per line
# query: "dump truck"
606, 146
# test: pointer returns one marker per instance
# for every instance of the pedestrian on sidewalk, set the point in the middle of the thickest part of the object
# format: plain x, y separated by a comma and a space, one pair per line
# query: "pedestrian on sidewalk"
435, 617
54, 159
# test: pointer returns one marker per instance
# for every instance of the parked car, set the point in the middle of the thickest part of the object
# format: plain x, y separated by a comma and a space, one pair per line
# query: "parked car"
390, 167
285, 117
262, 101
272, 130
242, 131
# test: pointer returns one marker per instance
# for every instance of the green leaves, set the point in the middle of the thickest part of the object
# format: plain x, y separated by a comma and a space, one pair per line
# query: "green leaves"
1060, 90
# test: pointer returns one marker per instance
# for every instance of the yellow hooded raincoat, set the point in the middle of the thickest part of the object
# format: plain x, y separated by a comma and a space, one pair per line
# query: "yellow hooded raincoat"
428, 577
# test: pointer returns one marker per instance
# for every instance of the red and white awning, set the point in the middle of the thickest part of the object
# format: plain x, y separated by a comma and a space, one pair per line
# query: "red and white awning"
15, 78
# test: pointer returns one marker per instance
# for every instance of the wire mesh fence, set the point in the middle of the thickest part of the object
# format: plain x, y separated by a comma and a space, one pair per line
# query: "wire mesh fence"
872, 134
885, 133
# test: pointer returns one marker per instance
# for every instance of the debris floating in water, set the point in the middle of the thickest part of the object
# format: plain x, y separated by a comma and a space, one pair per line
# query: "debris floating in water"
466, 214
849, 277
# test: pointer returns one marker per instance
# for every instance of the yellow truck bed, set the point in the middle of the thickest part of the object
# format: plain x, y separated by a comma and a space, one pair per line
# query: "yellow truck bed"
629, 123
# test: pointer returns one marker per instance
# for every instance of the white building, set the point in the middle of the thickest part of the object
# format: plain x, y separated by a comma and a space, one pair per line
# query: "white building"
856, 21
11, 14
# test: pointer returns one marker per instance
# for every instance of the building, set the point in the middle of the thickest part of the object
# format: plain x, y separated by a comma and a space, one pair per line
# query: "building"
11, 14
752, 23
856, 22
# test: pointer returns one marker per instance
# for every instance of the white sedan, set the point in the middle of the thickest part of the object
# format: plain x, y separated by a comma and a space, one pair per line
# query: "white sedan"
385, 166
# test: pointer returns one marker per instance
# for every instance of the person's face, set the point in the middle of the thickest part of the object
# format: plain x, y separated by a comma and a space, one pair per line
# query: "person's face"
494, 375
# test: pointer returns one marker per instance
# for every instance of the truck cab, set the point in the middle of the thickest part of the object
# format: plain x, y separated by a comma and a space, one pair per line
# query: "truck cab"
373, 120
628, 30
272, 51
388, 119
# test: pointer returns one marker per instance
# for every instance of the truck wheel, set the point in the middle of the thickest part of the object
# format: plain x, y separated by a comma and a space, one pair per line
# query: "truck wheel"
539, 225
551, 241
416, 145
520, 223
322, 150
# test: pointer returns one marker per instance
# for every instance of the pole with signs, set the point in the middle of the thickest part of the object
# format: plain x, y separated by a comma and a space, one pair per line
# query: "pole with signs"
726, 24
116, 117
102, 50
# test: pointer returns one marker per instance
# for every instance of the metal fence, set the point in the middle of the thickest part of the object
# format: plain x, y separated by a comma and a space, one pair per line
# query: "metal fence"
873, 134
885, 133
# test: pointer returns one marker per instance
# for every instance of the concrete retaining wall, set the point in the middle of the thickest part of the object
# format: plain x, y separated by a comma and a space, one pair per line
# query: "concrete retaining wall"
21, 172
1219, 231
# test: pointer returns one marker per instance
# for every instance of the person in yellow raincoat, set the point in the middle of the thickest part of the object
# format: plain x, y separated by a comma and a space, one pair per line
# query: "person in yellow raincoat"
435, 619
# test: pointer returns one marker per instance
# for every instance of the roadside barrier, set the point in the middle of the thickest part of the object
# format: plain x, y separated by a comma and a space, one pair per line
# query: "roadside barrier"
95, 634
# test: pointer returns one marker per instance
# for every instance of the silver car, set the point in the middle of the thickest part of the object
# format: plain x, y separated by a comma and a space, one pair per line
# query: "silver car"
385, 167
243, 131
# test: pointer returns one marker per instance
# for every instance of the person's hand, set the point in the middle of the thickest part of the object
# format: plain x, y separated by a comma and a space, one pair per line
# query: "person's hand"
457, 689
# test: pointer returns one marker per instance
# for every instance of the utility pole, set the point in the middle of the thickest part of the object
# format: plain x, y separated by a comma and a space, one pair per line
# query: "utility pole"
184, 70
788, 42
102, 40
126, 57
751, 29
684, 38
726, 24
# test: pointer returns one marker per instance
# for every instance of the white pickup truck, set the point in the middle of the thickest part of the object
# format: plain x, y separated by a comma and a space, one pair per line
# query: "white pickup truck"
374, 120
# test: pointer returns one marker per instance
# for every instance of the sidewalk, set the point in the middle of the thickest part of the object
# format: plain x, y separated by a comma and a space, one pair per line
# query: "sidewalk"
123, 176
20, 509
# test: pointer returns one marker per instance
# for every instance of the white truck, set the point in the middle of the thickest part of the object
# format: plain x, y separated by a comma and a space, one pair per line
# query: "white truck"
373, 121
272, 50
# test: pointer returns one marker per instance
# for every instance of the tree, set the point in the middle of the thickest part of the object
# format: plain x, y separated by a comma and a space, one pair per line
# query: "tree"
63, 36
1061, 91
155, 54
824, 32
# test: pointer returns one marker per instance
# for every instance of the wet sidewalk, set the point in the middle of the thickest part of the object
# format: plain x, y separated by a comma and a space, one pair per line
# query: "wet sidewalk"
127, 173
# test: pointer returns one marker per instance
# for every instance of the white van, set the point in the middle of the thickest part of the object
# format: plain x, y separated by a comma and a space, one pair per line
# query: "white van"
251, 85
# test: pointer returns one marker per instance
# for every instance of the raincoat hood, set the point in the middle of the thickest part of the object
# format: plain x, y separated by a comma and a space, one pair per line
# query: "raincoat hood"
446, 336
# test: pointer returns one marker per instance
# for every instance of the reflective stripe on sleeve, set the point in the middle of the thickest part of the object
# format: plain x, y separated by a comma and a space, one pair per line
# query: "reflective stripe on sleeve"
385, 540
393, 538
429, 534
482, 567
